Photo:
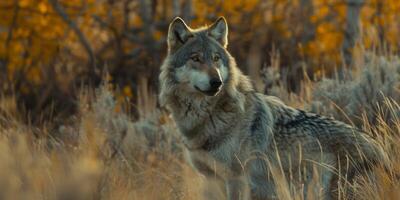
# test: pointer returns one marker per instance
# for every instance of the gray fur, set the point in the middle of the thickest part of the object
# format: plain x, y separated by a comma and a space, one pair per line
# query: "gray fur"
240, 136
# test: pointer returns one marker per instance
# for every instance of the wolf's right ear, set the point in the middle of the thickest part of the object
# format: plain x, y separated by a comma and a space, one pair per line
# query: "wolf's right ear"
178, 34
219, 31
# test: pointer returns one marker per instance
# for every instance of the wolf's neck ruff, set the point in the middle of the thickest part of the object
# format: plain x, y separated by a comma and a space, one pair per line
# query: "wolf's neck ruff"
195, 114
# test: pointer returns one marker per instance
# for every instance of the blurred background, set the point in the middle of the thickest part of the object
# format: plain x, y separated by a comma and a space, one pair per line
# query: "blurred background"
79, 117
50, 49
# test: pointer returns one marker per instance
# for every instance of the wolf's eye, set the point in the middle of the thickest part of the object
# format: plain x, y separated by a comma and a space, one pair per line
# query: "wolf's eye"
195, 58
216, 58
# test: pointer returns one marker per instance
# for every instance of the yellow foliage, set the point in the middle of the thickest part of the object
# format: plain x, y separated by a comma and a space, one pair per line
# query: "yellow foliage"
39, 33
43, 7
34, 75
157, 35
322, 12
232, 9
127, 91
136, 20
24, 3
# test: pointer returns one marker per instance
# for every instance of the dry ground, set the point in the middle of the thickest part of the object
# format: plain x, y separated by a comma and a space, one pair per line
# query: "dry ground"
102, 153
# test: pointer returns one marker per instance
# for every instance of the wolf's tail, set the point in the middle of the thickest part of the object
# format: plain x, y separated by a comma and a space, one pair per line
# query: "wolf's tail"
363, 152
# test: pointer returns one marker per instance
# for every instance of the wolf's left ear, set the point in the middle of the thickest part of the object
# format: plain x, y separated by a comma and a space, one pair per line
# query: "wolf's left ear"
219, 31
178, 34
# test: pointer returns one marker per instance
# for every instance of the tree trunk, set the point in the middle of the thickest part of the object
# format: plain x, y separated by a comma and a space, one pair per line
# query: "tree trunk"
255, 61
351, 32
176, 8
306, 10
187, 11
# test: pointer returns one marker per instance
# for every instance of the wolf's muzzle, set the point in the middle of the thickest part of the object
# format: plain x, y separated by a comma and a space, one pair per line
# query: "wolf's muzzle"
215, 87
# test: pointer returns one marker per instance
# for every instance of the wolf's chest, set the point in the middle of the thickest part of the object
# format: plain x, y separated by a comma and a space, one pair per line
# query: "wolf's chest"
195, 122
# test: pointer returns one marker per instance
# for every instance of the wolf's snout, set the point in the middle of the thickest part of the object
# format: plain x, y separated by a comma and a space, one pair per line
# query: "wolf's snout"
215, 83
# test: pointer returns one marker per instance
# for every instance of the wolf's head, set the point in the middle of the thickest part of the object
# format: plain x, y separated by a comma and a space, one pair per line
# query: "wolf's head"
198, 58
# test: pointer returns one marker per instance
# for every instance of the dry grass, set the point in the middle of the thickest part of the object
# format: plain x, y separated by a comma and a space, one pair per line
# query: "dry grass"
104, 154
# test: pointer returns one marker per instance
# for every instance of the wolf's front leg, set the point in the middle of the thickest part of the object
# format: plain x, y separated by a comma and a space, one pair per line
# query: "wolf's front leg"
260, 181
236, 189
261, 188
213, 189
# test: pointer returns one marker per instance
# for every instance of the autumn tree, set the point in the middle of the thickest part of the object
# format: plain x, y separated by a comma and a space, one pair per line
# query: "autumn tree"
50, 48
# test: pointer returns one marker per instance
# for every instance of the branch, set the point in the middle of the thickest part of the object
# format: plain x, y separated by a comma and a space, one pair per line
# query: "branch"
82, 39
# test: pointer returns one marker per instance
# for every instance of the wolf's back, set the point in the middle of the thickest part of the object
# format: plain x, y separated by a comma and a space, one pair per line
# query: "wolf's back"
319, 133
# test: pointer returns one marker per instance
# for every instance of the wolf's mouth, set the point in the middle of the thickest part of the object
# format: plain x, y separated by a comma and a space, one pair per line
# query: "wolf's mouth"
211, 92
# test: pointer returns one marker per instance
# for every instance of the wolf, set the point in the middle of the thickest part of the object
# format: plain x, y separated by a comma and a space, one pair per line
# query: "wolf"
243, 138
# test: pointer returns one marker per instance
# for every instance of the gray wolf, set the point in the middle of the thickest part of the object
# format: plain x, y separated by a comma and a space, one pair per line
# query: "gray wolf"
240, 137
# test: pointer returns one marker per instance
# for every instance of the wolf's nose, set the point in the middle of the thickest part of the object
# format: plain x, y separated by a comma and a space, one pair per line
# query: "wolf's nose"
215, 83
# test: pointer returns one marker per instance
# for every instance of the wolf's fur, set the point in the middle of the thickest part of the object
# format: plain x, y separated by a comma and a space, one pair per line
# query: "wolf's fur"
239, 136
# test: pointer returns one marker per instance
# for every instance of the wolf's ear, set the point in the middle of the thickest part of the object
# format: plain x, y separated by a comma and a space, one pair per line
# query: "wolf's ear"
178, 34
219, 31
